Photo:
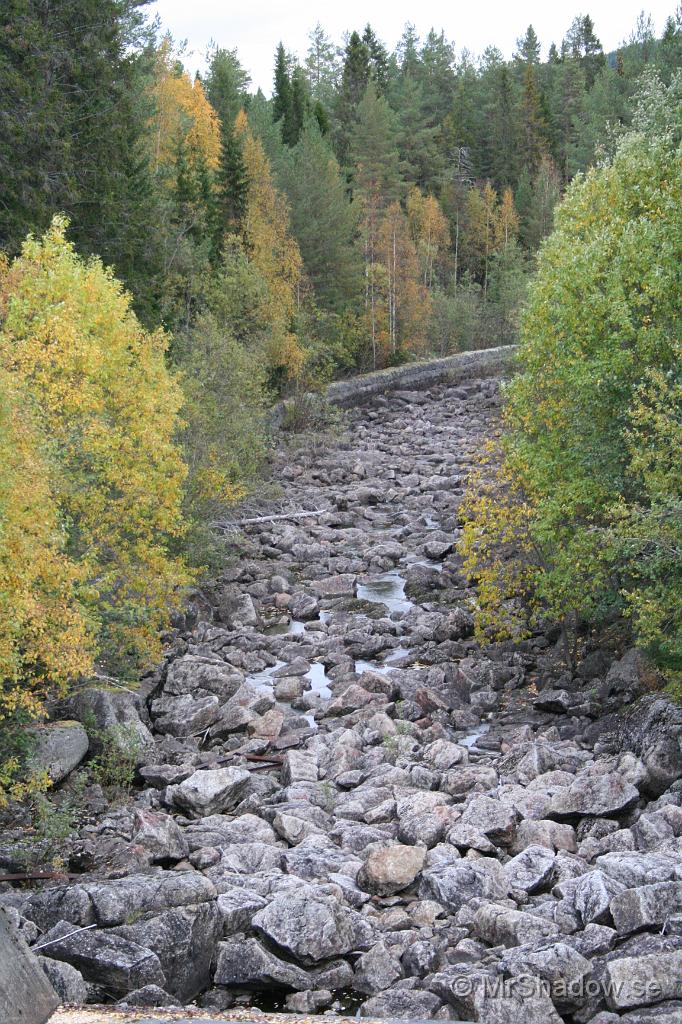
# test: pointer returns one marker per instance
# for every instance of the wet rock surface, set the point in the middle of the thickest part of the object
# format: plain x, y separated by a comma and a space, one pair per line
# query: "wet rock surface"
344, 802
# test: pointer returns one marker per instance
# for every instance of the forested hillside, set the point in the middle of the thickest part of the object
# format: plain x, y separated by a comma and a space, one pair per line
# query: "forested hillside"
178, 252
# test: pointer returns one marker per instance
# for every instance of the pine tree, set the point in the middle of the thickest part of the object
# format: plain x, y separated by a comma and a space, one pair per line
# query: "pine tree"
528, 48
74, 126
322, 67
226, 84
533, 124
300, 105
420, 156
408, 51
436, 76
378, 58
498, 155
582, 45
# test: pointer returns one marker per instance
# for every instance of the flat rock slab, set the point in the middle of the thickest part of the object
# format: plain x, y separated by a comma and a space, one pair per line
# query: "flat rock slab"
110, 1015
26, 996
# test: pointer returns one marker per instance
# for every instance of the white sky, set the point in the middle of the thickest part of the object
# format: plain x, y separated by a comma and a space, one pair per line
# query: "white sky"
255, 27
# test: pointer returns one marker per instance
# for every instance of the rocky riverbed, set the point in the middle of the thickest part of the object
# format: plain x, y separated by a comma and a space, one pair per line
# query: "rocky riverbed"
344, 802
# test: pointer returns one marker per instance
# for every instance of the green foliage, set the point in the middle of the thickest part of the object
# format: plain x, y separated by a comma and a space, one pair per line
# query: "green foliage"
54, 822
224, 435
323, 220
226, 84
456, 319
75, 113
114, 766
582, 520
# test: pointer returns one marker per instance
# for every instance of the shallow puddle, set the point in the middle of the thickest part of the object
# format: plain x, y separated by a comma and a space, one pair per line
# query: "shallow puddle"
319, 680
386, 665
292, 628
387, 588
470, 741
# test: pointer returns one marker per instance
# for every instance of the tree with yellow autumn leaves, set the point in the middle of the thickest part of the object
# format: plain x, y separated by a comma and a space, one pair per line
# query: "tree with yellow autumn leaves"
91, 479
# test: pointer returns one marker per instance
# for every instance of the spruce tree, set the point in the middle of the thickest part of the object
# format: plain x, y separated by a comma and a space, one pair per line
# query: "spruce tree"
323, 220
232, 184
281, 96
378, 58
354, 79
322, 67
300, 105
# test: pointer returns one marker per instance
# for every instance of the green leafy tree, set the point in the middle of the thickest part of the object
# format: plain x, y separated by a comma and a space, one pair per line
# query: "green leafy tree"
582, 521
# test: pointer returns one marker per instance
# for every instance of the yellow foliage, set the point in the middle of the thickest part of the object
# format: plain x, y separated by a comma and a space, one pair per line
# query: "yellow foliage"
272, 251
497, 547
406, 301
45, 639
183, 116
266, 228
108, 406
506, 226
429, 230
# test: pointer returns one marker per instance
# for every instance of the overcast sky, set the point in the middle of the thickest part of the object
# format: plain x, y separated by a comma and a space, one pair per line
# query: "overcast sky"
256, 26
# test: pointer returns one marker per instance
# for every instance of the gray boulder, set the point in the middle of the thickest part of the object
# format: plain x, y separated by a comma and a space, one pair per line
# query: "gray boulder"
243, 962
107, 959
68, 983
643, 980
649, 906
376, 970
109, 902
593, 894
495, 819
159, 834
402, 1004
209, 792
237, 609
390, 869
454, 885
191, 673
530, 869
599, 795
500, 926
312, 928
117, 714
237, 907
184, 715
59, 748
184, 940
652, 729
564, 969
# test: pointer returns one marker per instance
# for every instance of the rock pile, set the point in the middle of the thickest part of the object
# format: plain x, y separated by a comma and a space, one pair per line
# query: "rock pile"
347, 802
